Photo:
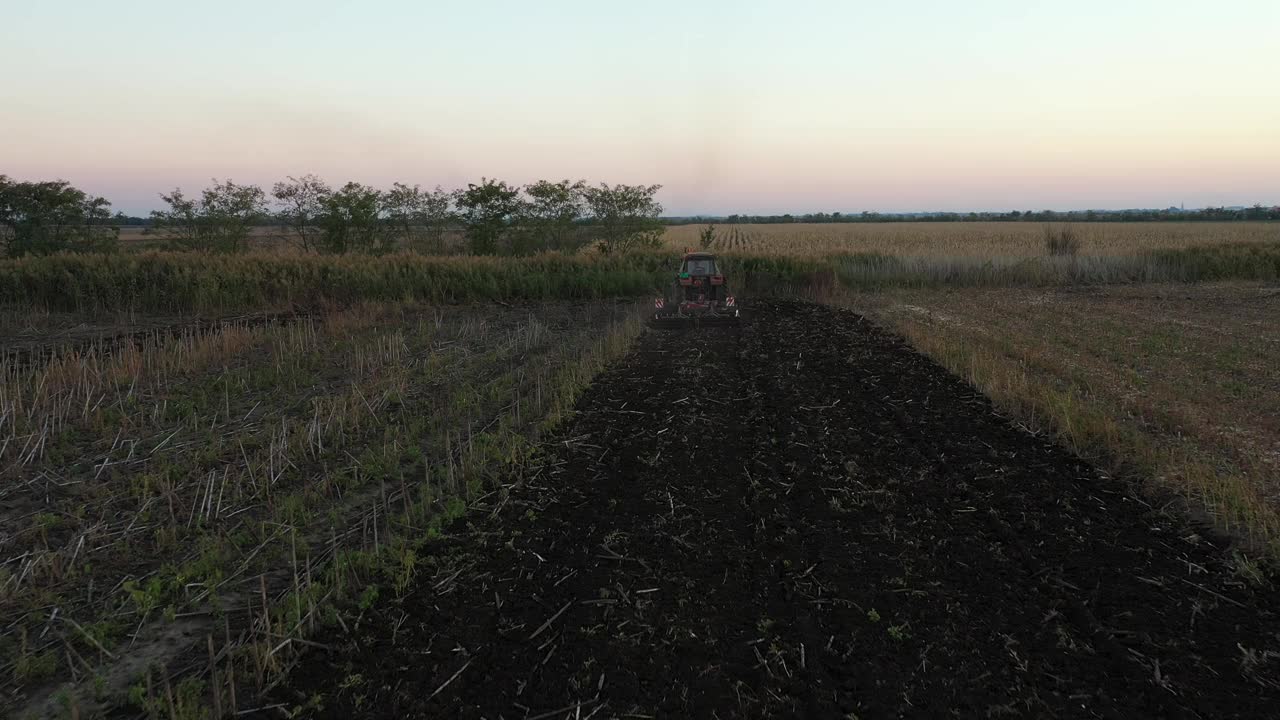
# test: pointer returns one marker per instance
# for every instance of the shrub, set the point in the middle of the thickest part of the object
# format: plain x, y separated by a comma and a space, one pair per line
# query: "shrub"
39, 218
1061, 241
707, 238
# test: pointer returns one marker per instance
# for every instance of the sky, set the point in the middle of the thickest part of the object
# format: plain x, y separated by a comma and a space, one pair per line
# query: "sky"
732, 106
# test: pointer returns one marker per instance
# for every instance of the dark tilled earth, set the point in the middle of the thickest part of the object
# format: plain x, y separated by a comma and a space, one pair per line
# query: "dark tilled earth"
802, 517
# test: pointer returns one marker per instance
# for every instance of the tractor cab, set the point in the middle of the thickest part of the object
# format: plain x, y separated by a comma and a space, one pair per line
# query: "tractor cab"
699, 270
698, 265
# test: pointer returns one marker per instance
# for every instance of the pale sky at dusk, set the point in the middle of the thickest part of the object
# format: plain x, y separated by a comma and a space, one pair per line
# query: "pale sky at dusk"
733, 106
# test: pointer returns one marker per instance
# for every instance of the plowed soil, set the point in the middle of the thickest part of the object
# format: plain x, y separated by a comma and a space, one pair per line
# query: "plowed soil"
802, 517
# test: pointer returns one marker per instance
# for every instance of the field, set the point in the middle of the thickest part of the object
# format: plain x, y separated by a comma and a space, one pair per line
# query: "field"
276, 482
985, 240
228, 479
982, 240
752, 524
1174, 382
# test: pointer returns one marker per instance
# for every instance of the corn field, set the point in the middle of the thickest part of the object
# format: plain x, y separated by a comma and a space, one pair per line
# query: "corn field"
759, 258
974, 240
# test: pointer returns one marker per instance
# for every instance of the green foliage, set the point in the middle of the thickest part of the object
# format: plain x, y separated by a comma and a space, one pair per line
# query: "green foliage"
1237, 261
39, 218
403, 205
359, 218
1061, 241
138, 696
416, 217
30, 668
169, 282
352, 220
301, 204
190, 701
406, 570
178, 282
1251, 569
550, 218
488, 211
625, 217
454, 508
707, 238
45, 521
220, 219
159, 589
433, 218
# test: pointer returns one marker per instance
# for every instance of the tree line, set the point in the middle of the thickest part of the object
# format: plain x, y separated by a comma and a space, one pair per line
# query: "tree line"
494, 216
52, 216
1218, 214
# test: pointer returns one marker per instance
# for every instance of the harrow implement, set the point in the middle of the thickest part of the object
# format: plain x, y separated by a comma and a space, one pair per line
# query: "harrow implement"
699, 296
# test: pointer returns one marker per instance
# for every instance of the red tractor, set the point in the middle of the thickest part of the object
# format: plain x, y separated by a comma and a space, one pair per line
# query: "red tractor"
699, 295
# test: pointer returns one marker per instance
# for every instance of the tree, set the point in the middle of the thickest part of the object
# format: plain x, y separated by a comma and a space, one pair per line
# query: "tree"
487, 211
302, 202
551, 211
119, 219
625, 216
353, 220
233, 211
436, 217
220, 220
404, 207
52, 216
183, 219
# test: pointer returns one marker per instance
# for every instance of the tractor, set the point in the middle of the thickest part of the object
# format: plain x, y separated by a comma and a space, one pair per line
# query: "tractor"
699, 295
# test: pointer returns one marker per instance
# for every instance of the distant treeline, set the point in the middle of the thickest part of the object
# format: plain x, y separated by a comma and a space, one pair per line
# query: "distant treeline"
497, 218
1219, 214
46, 217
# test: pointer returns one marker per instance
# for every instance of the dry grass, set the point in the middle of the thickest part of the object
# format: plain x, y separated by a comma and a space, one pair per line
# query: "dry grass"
981, 240
1175, 382
949, 239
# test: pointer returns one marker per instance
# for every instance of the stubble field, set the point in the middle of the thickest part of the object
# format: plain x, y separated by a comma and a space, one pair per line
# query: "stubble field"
230, 481
1173, 384
218, 467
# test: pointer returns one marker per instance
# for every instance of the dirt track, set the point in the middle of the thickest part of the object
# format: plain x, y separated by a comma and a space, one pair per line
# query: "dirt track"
804, 518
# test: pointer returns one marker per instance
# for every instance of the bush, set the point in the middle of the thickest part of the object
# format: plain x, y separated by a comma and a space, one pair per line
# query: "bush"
1062, 241
707, 238
39, 218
